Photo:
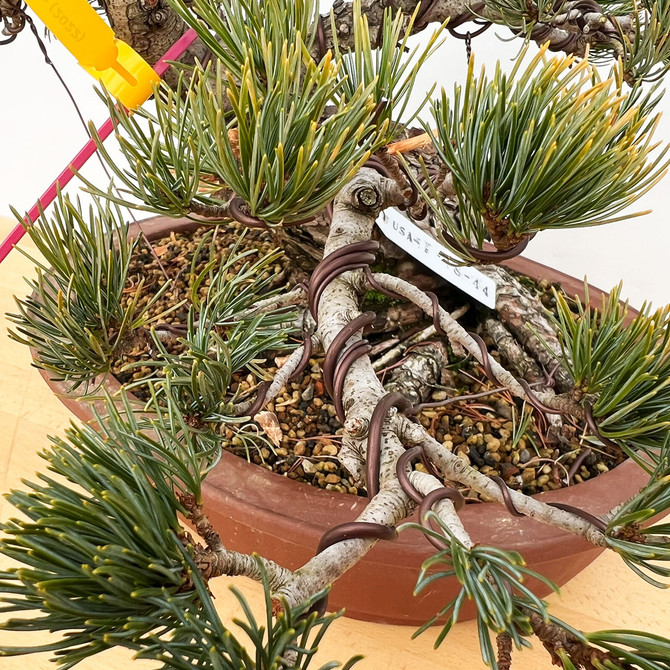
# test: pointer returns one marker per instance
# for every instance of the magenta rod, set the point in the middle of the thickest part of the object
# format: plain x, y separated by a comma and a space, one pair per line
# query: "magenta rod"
88, 150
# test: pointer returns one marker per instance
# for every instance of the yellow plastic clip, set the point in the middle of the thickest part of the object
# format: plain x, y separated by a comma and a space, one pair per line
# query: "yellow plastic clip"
124, 73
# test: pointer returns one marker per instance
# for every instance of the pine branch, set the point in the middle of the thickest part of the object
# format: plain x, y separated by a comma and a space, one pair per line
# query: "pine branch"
352, 222
106, 563
390, 66
645, 548
456, 470
646, 53
102, 560
78, 316
278, 382
216, 560
622, 371
527, 318
444, 509
492, 578
225, 333
460, 338
164, 170
610, 650
576, 152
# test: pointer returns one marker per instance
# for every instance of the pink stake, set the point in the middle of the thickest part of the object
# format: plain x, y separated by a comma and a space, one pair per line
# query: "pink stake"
88, 150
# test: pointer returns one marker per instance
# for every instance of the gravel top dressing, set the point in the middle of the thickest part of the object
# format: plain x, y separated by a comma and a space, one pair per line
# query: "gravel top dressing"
495, 434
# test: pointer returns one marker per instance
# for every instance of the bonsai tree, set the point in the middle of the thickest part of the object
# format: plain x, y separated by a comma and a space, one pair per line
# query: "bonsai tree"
284, 120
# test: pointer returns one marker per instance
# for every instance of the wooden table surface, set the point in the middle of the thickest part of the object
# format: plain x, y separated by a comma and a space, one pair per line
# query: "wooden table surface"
606, 595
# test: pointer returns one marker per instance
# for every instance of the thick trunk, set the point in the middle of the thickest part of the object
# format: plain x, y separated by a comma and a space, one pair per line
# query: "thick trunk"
525, 316
151, 27
355, 210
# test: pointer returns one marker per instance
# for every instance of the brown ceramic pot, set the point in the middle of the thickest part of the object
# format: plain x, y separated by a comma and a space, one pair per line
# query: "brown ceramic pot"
259, 511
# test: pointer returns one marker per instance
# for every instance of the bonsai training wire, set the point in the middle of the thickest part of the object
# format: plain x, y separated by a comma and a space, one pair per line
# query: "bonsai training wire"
89, 149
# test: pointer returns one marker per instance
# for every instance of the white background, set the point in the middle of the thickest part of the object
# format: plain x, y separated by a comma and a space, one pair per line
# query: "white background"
40, 134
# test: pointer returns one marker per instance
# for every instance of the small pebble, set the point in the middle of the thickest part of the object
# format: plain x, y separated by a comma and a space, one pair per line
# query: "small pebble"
524, 456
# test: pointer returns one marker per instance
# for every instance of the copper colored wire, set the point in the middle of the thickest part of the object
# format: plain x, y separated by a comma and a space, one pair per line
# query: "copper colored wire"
490, 256
446, 492
306, 355
549, 377
535, 401
541, 33
428, 464
401, 466
338, 259
337, 345
236, 212
353, 353
375, 437
175, 329
469, 35
260, 399
461, 398
593, 427
375, 164
427, 503
507, 498
381, 107
321, 37
356, 530
353, 530
574, 468
378, 287
485, 362
436, 313
582, 514
366, 245
334, 269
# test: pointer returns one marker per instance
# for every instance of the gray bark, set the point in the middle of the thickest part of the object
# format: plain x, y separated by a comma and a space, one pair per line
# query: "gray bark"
151, 26
525, 316
339, 304
419, 374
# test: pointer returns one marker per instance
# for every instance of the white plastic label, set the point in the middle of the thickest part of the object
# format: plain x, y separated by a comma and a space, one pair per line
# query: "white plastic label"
409, 237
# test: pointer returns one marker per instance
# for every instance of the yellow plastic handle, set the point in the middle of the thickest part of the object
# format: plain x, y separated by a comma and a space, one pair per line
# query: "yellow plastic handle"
130, 80
83, 33
125, 74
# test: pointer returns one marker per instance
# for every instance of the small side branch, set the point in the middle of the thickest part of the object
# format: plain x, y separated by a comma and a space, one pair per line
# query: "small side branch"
388, 507
563, 34
280, 380
214, 560
455, 469
518, 360
524, 315
556, 639
425, 484
460, 338
298, 296
457, 335
208, 210
504, 644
